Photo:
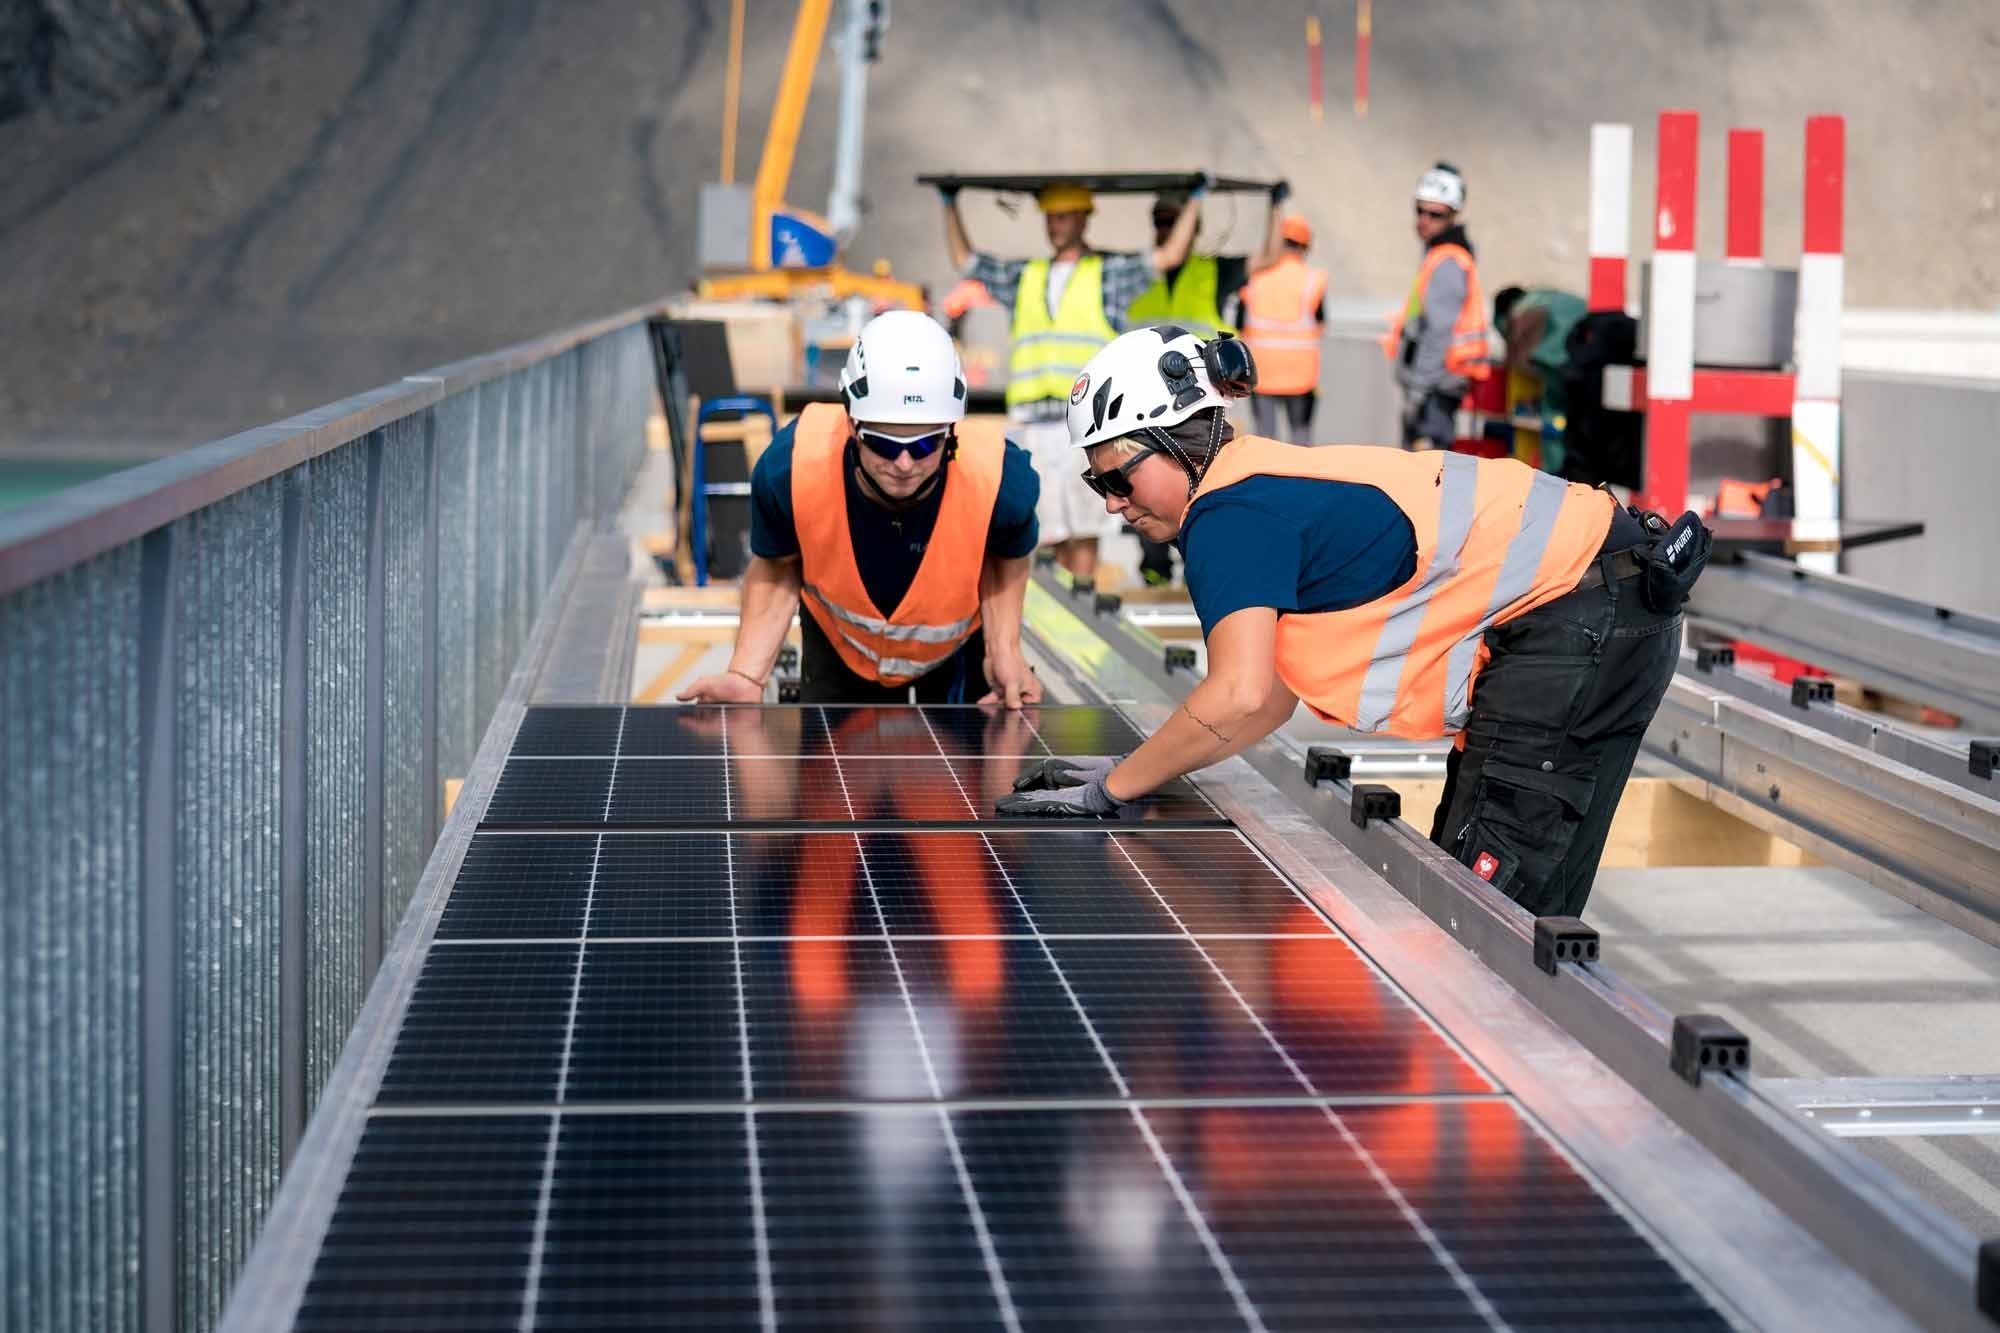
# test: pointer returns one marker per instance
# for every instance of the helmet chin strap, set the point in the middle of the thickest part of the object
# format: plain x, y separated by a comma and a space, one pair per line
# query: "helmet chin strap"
1173, 449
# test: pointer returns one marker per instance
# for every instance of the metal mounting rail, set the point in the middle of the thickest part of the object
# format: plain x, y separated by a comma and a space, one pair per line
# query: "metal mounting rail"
1920, 1259
1928, 840
1911, 648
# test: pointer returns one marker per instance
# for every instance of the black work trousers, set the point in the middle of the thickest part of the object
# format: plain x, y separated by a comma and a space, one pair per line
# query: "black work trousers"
825, 679
1557, 717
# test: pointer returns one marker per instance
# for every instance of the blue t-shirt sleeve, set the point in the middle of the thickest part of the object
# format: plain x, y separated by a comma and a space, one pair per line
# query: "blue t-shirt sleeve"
1014, 531
1237, 555
773, 534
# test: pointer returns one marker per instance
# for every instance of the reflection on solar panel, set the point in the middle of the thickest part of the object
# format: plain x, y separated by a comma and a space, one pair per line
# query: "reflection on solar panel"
884, 1075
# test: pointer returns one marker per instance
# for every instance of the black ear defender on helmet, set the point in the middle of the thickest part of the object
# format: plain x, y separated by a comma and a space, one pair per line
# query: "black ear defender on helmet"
1231, 369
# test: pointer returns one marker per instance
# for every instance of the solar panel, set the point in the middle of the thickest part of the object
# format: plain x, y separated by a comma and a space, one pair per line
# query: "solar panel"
896, 1065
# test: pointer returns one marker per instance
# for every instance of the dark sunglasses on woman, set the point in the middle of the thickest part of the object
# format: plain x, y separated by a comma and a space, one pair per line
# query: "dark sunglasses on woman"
1117, 481
893, 447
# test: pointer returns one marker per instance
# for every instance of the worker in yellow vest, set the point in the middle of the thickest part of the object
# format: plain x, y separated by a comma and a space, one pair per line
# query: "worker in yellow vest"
1284, 319
1193, 294
1065, 308
1416, 595
1438, 338
904, 529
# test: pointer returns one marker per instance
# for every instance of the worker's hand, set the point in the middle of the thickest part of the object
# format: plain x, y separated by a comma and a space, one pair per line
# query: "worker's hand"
1065, 771
1083, 802
726, 687
1280, 192
1013, 681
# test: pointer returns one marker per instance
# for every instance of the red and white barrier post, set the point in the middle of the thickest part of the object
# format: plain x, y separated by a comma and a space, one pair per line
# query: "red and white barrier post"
1816, 333
1610, 214
1670, 317
1745, 241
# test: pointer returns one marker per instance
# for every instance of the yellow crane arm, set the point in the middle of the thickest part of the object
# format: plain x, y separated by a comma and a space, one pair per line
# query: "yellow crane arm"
788, 114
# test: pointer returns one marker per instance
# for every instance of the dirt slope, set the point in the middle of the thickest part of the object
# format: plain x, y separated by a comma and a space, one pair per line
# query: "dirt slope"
354, 191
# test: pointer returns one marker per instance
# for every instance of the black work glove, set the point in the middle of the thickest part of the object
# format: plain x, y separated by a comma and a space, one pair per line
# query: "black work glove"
1085, 802
948, 191
1203, 182
1064, 771
1280, 192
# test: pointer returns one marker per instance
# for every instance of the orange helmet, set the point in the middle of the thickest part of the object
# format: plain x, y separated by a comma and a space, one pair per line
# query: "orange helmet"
1296, 230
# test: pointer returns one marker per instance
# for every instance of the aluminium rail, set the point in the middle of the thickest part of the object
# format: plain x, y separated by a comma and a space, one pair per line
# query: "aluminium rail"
1924, 1262
232, 683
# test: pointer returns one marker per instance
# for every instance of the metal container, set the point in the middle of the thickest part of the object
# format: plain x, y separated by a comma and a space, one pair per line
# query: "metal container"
1742, 314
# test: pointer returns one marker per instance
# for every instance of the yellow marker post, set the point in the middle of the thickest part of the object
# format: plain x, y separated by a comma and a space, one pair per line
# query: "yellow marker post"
732, 92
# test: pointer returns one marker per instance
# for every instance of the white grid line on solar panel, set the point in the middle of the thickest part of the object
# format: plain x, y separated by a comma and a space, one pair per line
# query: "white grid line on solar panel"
538, 1243
800, 1105
767, 1299
988, 1253
1220, 1260
1367, 958
1459, 1276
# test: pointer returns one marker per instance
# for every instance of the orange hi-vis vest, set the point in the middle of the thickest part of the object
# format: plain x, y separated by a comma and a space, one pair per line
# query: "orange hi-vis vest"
1281, 327
941, 608
1466, 354
1495, 540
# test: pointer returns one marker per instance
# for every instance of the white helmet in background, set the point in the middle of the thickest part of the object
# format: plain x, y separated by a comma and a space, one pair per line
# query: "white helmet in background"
1148, 377
1442, 185
904, 369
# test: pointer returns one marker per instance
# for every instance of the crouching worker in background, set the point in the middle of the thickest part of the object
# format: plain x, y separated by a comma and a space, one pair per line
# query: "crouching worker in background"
904, 529
1380, 587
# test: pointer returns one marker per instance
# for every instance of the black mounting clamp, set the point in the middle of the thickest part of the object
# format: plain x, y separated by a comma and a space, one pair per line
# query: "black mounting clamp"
1708, 659
788, 658
1810, 690
1983, 757
1180, 657
1082, 587
1371, 800
1107, 603
1045, 557
1324, 761
1708, 1044
1563, 939
788, 689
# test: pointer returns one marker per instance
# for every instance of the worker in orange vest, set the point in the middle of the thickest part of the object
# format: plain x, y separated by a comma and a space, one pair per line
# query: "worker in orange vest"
1378, 587
1438, 338
904, 529
1284, 318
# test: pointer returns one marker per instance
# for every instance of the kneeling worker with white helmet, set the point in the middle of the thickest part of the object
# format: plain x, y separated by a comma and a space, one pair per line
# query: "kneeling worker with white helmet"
1376, 586
905, 530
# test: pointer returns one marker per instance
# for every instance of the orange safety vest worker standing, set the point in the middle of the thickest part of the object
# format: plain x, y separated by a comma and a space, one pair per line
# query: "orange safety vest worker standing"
1284, 319
904, 530
1438, 339
1414, 595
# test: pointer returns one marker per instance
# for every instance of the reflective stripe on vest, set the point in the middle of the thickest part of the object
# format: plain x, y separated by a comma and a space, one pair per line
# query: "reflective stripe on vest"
1048, 354
1194, 302
1465, 356
1495, 539
1280, 327
941, 608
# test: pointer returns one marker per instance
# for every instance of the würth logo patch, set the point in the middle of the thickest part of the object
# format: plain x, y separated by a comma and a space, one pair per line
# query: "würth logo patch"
1484, 866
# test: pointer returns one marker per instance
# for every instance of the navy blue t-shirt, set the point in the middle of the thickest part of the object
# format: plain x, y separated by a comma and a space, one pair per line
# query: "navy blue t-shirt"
1293, 544
888, 545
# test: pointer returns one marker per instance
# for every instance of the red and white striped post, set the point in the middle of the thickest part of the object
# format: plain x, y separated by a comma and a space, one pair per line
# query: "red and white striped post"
1816, 334
1745, 241
1670, 317
1610, 214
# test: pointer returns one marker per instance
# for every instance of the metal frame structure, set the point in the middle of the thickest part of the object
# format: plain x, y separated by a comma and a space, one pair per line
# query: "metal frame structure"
233, 682
1922, 1261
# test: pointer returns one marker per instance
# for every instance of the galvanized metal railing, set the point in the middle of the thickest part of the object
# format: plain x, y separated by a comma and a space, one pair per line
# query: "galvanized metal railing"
232, 684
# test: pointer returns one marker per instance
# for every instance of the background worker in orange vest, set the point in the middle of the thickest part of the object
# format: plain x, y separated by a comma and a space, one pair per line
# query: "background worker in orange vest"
1438, 339
1376, 586
1284, 319
905, 530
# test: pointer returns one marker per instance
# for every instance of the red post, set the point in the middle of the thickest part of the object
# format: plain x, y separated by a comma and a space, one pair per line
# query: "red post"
1746, 197
1826, 153
1315, 85
1670, 316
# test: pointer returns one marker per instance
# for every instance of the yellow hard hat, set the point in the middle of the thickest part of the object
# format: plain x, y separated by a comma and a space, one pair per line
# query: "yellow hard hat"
1066, 199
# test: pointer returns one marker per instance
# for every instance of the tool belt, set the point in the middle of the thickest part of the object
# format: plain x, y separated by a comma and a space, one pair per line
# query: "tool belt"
1667, 563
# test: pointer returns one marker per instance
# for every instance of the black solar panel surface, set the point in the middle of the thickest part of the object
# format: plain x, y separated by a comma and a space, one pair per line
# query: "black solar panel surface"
1000, 1075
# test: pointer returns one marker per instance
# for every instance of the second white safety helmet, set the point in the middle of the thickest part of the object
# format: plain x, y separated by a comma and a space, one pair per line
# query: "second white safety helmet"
903, 369
1442, 185
1148, 377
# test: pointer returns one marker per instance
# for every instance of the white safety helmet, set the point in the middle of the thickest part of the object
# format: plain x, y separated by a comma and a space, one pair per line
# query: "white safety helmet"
1442, 185
1125, 388
904, 368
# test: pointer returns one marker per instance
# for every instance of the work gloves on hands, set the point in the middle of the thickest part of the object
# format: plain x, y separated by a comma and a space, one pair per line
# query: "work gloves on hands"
1063, 788
1280, 192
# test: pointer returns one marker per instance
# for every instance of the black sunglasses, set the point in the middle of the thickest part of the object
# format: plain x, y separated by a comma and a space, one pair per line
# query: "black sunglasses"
1435, 214
1117, 481
893, 447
